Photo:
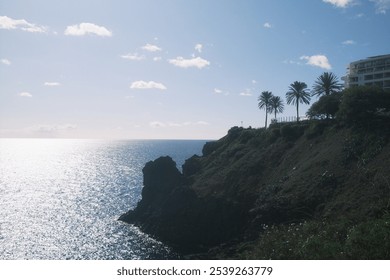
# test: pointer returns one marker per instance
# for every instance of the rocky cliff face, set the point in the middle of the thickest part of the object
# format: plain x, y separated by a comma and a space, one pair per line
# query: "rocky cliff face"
254, 178
171, 210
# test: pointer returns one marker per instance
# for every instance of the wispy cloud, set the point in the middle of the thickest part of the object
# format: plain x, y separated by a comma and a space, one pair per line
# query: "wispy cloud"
221, 92
318, 61
51, 84
147, 85
25, 94
5, 61
157, 124
198, 48
267, 25
197, 62
151, 48
339, 3
349, 42
52, 128
246, 92
21, 24
133, 56
86, 28
202, 123
381, 6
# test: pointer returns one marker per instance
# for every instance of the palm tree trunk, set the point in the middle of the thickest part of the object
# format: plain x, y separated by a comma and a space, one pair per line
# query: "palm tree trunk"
297, 111
266, 118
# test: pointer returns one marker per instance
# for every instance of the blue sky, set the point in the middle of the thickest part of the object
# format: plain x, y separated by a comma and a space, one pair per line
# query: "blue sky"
169, 69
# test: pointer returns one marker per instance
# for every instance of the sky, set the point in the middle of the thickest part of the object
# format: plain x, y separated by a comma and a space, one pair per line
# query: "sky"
170, 69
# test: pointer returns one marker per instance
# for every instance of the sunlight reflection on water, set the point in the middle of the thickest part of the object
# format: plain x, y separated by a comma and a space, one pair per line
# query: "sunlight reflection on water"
60, 199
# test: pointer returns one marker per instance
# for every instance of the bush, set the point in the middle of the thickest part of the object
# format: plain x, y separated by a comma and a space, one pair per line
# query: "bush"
341, 239
365, 107
362, 147
246, 135
370, 240
234, 132
326, 107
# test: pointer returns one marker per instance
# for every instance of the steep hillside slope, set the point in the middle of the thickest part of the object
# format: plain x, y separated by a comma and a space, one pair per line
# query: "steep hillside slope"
256, 182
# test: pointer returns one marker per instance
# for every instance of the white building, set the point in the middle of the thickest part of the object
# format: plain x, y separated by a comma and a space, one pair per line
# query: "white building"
372, 71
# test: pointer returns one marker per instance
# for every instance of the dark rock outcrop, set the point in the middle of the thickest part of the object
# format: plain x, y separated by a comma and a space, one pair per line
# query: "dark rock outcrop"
173, 212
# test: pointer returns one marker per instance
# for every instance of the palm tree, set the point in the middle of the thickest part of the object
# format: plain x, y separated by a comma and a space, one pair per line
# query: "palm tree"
264, 102
276, 105
298, 94
326, 84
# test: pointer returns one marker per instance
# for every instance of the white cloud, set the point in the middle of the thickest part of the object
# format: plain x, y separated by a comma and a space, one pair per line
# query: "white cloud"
246, 93
51, 84
202, 123
147, 85
22, 24
349, 42
317, 60
172, 124
339, 3
5, 61
133, 56
381, 6
254, 82
151, 48
87, 28
267, 25
220, 91
199, 47
157, 58
192, 62
25, 94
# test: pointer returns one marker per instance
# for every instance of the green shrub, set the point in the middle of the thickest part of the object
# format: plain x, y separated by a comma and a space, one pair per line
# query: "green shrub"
326, 107
365, 107
370, 240
362, 147
341, 239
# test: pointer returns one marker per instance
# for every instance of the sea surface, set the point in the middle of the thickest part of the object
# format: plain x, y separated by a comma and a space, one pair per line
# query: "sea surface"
61, 198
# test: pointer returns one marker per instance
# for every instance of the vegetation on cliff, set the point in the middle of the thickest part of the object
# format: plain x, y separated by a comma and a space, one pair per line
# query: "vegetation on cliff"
317, 189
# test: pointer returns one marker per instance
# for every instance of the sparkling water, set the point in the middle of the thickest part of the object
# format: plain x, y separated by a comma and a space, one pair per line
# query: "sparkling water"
61, 198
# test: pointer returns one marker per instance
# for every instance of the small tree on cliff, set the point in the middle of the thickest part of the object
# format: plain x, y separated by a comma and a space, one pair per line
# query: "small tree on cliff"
264, 103
298, 94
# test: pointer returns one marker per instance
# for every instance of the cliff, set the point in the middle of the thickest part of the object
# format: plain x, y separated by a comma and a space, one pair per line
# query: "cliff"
309, 190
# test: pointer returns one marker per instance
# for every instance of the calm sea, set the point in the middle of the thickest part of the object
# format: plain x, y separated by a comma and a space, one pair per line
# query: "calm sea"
60, 199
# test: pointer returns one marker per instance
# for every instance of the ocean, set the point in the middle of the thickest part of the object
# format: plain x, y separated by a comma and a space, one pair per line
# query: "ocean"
61, 198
